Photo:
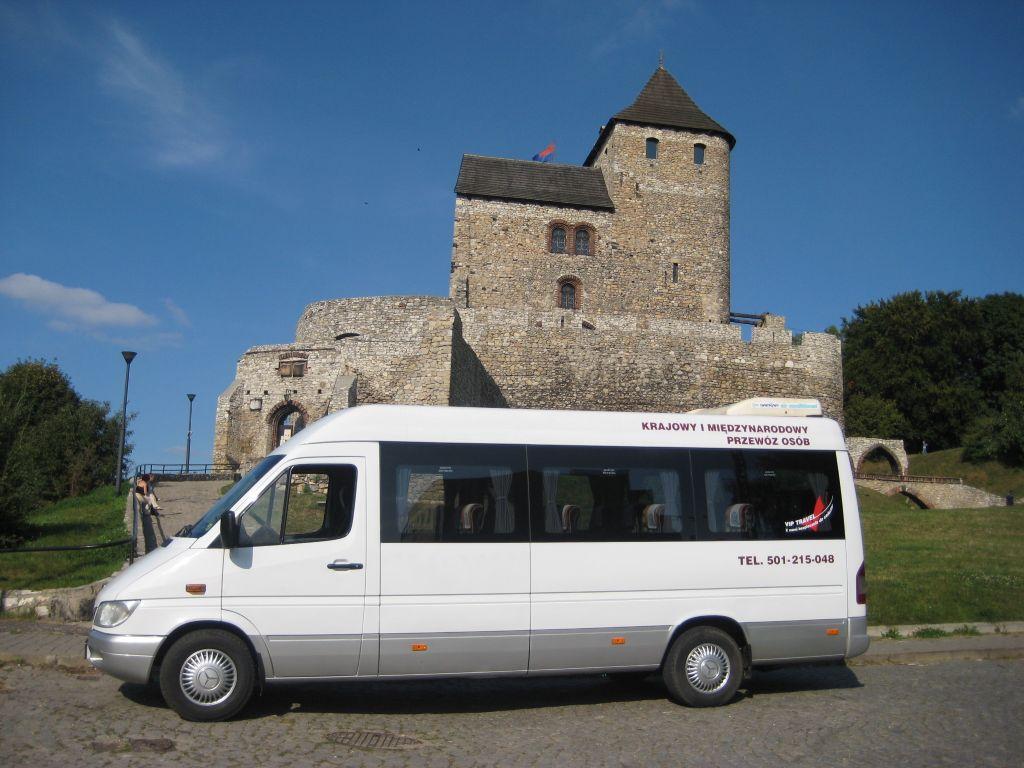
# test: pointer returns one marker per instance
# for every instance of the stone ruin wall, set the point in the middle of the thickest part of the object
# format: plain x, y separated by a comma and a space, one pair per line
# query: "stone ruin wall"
402, 354
550, 360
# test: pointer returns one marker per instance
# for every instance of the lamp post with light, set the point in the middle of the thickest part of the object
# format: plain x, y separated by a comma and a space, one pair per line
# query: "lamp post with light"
128, 357
188, 439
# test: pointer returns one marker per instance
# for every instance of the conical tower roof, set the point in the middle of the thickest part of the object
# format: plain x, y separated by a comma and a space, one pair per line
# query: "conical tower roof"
664, 104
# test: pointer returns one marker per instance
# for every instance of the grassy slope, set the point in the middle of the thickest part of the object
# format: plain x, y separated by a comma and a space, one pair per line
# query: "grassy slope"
942, 565
94, 518
990, 475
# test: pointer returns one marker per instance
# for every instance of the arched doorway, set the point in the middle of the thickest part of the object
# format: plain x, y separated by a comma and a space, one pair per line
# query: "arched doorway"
288, 422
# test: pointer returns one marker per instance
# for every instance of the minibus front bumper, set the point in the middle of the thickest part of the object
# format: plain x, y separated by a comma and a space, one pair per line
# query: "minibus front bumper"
126, 657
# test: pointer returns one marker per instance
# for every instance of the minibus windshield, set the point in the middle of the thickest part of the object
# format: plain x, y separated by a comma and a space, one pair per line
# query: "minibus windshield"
207, 521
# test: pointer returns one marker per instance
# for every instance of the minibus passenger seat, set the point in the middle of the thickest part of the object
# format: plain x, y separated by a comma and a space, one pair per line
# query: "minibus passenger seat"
653, 517
471, 519
739, 518
570, 518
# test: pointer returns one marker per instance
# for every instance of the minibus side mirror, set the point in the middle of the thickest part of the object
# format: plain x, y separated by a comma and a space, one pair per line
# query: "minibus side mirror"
228, 530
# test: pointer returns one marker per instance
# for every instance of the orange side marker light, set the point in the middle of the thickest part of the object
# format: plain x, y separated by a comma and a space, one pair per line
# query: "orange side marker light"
618, 641
195, 589
420, 647
831, 632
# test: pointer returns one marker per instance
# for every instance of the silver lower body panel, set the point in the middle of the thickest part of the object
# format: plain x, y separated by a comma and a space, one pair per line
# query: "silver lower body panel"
778, 642
126, 657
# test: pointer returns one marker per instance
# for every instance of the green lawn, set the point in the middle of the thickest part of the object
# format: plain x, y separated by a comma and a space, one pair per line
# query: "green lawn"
94, 518
931, 566
990, 475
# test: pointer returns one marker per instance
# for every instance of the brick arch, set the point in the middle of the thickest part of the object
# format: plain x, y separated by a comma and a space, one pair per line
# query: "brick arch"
277, 413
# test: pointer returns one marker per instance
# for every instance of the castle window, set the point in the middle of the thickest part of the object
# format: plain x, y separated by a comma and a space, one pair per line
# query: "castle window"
569, 293
568, 300
652, 149
675, 271
582, 242
698, 154
558, 240
292, 368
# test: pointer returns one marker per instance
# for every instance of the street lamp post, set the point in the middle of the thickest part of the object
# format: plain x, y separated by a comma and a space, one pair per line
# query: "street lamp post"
188, 439
128, 357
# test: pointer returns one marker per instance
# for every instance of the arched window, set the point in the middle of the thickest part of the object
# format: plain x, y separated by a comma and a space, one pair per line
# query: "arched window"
288, 423
698, 154
582, 242
567, 296
570, 293
558, 240
652, 149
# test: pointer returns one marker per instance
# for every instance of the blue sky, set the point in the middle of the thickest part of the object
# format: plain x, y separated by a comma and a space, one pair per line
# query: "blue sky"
181, 178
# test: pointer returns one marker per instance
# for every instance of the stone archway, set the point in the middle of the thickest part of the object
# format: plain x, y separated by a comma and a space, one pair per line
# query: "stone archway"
913, 498
861, 448
284, 421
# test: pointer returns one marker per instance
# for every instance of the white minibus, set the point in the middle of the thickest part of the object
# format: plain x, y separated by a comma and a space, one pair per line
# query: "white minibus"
395, 542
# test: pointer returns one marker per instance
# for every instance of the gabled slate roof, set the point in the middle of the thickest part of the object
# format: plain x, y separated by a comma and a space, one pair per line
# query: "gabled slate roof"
664, 104
529, 181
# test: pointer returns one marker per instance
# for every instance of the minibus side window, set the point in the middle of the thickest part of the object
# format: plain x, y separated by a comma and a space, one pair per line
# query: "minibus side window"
775, 495
304, 504
441, 492
609, 494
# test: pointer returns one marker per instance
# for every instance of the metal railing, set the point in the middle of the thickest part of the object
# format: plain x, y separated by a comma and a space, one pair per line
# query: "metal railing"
909, 478
185, 471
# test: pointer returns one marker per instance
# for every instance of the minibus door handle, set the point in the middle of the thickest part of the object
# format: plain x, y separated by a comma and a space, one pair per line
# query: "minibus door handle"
344, 565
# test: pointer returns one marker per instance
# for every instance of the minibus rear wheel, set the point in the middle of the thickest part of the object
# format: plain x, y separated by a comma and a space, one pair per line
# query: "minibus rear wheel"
703, 667
207, 675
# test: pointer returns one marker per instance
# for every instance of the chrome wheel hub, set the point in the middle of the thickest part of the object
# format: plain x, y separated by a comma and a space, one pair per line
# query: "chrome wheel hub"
208, 677
707, 668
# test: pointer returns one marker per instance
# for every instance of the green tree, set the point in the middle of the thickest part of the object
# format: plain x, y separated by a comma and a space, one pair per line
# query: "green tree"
53, 443
940, 361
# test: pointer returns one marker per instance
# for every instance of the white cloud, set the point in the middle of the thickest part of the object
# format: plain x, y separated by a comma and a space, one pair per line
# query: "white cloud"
72, 308
182, 129
180, 315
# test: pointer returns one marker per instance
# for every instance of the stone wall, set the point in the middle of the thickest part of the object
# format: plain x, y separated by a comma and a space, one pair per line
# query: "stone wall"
561, 359
937, 495
860, 447
670, 211
401, 353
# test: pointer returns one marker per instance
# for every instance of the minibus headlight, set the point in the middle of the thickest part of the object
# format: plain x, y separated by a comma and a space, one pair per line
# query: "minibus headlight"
113, 612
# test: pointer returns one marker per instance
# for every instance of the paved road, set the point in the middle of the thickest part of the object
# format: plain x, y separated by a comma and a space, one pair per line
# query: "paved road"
956, 713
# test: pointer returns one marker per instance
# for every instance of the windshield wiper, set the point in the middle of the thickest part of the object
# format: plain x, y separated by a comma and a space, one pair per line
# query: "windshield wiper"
185, 531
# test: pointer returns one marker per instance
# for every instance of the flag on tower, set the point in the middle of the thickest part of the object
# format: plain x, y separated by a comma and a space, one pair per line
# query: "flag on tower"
545, 154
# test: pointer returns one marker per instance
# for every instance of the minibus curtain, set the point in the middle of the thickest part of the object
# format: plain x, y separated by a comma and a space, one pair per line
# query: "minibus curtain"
673, 514
502, 480
552, 520
402, 499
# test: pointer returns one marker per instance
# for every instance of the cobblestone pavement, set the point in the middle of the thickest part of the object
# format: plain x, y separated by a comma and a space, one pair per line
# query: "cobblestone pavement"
956, 713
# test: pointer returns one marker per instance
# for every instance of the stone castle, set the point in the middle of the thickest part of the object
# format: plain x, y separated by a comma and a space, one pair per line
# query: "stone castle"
604, 286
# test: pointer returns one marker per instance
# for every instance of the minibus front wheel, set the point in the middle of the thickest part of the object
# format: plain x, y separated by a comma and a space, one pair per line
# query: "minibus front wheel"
703, 668
207, 675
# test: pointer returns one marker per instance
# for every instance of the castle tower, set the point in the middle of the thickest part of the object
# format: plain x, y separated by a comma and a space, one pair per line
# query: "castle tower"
666, 166
640, 229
